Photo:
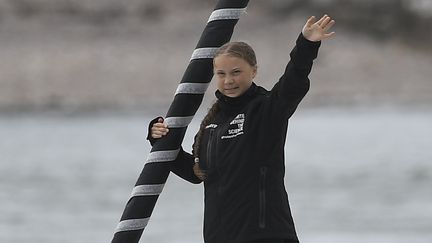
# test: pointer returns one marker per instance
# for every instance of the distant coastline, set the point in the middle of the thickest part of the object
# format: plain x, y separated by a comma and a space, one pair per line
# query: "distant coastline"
56, 59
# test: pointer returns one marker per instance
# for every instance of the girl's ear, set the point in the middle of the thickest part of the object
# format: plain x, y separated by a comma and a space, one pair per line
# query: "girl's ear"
255, 71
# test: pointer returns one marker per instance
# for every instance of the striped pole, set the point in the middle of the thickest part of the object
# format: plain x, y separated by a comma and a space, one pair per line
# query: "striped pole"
188, 97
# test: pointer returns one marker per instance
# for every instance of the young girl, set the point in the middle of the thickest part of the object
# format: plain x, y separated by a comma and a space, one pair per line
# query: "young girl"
239, 149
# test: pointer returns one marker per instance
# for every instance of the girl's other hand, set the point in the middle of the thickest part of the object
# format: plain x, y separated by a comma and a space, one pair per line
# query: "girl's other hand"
159, 129
317, 31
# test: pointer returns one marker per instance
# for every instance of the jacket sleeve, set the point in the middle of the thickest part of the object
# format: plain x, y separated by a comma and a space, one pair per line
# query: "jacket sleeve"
294, 83
183, 167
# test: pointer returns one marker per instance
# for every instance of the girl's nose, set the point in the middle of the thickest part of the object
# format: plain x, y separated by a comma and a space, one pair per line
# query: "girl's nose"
228, 80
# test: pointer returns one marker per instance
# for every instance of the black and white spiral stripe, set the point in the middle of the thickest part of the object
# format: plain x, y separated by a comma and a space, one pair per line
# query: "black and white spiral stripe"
187, 99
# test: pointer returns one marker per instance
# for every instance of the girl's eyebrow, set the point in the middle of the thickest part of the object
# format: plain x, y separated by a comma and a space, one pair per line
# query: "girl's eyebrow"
233, 69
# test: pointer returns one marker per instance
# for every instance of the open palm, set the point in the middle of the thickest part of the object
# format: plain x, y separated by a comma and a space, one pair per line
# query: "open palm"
319, 30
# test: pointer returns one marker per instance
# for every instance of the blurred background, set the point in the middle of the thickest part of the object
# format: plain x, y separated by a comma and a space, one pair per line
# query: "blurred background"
80, 80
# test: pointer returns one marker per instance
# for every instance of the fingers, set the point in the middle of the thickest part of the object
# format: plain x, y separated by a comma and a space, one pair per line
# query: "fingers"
159, 129
329, 25
319, 22
325, 22
158, 133
310, 21
326, 36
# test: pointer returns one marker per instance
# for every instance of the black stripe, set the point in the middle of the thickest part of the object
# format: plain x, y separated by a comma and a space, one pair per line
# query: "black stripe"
139, 207
185, 104
217, 33
231, 4
127, 236
198, 71
152, 173
171, 141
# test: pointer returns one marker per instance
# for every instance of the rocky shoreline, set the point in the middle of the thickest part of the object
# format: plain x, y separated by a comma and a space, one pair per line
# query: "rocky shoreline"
59, 62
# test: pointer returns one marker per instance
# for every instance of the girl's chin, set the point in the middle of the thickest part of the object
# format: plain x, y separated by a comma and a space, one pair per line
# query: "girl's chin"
231, 94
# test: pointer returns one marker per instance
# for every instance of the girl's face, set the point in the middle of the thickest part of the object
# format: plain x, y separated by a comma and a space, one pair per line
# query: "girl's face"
233, 74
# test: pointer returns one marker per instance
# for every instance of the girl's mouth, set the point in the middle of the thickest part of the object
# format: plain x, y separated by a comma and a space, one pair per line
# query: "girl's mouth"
231, 89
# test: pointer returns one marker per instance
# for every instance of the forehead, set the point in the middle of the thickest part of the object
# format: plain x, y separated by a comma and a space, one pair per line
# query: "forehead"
227, 61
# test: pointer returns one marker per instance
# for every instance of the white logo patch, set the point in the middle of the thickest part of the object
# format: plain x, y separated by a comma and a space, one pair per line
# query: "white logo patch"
211, 126
236, 127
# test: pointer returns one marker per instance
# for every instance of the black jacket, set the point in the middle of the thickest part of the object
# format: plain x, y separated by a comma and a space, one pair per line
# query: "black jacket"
242, 151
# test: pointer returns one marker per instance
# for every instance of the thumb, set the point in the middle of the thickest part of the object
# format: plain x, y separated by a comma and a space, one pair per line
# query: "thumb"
160, 120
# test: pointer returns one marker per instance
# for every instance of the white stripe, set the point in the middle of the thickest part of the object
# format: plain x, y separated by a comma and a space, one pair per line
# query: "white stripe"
162, 156
227, 13
147, 190
176, 122
201, 53
132, 224
192, 88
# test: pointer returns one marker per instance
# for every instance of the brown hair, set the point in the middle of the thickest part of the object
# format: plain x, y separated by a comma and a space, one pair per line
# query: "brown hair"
238, 49
235, 49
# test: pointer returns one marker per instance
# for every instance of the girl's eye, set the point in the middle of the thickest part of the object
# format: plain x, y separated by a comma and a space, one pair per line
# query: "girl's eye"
236, 72
221, 74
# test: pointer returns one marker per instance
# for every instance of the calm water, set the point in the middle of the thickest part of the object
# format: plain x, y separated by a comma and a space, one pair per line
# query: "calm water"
352, 176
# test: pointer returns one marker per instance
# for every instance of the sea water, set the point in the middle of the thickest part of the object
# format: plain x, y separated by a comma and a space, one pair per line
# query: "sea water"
351, 175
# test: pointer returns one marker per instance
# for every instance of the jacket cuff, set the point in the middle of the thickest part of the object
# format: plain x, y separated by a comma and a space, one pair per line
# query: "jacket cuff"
149, 137
302, 41
306, 51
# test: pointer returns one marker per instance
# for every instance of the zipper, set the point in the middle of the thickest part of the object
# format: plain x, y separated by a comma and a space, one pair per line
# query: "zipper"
209, 148
218, 136
262, 197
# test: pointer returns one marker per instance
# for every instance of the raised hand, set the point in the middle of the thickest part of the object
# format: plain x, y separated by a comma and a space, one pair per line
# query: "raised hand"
319, 30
